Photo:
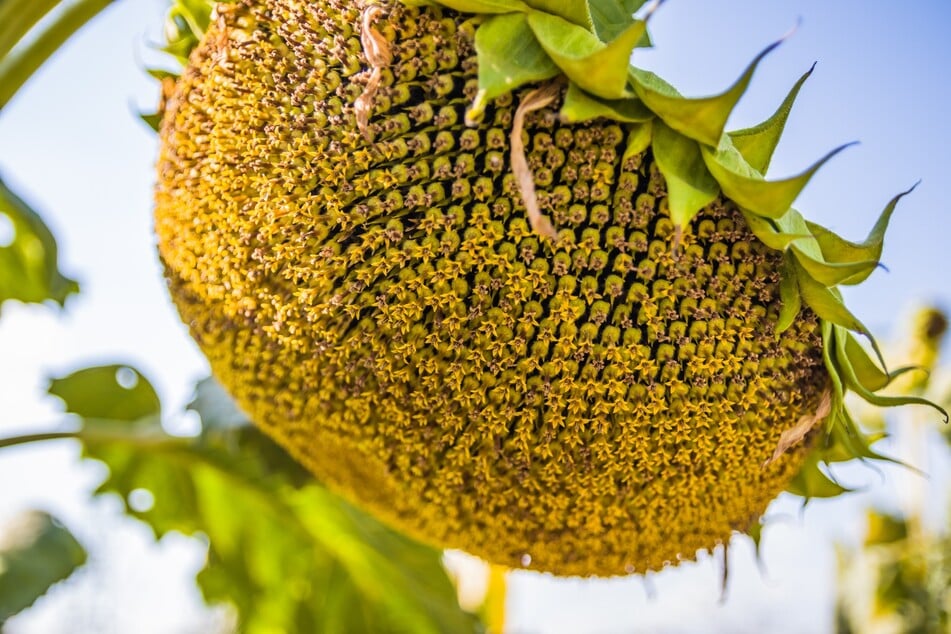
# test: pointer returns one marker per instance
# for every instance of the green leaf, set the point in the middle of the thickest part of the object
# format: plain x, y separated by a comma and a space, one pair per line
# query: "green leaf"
108, 392
36, 551
639, 136
575, 11
758, 143
836, 249
29, 262
748, 189
579, 106
826, 303
769, 234
611, 17
811, 482
285, 552
690, 187
509, 56
600, 69
832, 274
852, 381
791, 301
702, 119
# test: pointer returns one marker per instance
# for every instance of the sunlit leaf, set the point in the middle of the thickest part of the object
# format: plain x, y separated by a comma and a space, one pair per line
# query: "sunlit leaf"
509, 56
36, 551
600, 69
579, 106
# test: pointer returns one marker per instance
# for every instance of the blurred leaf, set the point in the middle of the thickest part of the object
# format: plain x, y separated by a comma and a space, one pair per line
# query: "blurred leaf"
39, 43
36, 551
110, 392
885, 529
289, 555
899, 582
28, 263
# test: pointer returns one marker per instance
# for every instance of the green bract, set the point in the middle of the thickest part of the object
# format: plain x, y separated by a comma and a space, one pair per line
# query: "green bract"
590, 43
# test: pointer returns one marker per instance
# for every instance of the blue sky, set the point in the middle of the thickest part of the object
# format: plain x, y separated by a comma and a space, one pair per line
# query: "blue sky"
70, 143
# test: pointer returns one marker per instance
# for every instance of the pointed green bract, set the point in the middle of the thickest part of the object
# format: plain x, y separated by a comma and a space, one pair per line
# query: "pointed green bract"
639, 138
767, 198
853, 382
579, 106
789, 295
598, 68
837, 249
702, 119
509, 56
767, 232
810, 482
826, 303
758, 143
690, 187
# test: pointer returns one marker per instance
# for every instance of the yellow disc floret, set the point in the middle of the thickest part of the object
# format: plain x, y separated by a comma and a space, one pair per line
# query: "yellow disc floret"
375, 298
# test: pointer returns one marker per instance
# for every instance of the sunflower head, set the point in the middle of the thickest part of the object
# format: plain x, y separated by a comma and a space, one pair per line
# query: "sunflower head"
507, 292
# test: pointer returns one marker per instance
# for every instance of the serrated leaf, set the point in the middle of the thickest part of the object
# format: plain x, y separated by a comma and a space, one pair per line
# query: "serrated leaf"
690, 187
758, 143
509, 56
611, 17
575, 11
702, 119
771, 199
29, 261
579, 106
110, 392
36, 551
600, 69
837, 249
